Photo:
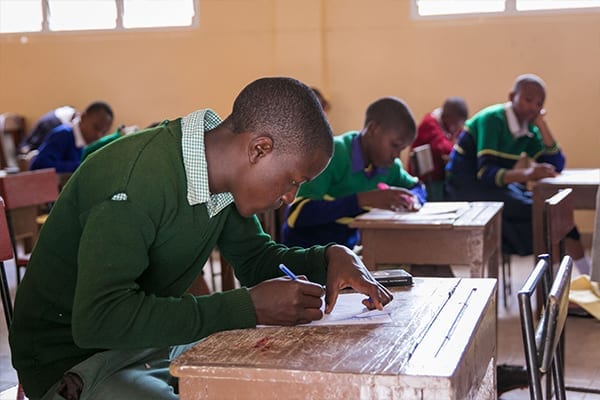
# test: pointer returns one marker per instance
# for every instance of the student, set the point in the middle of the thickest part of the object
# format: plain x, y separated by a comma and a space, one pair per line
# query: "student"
121, 131
103, 299
349, 185
62, 147
45, 125
322, 100
482, 166
439, 129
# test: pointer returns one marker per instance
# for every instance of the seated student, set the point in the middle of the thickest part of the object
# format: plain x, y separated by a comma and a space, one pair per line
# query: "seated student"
349, 185
104, 297
322, 100
44, 125
439, 129
482, 164
62, 147
121, 131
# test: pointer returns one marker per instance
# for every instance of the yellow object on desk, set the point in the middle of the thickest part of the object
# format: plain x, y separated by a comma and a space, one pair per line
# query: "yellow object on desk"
586, 294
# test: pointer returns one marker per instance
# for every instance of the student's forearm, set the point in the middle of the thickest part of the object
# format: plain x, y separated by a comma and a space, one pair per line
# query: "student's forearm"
547, 137
514, 175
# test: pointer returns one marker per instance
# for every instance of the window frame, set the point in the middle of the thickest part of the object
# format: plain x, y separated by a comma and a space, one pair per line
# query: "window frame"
510, 10
120, 6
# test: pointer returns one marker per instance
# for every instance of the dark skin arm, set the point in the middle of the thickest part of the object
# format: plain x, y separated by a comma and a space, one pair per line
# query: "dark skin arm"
282, 301
393, 199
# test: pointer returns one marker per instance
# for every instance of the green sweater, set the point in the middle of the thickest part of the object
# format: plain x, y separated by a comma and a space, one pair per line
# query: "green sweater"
110, 273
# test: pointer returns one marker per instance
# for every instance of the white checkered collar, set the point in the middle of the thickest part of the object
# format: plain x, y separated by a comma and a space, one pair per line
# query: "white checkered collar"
193, 127
517, 130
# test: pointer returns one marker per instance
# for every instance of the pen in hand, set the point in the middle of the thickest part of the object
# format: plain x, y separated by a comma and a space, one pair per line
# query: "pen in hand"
287, 271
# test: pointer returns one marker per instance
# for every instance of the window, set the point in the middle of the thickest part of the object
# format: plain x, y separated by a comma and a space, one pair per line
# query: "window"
70, 15
433, 8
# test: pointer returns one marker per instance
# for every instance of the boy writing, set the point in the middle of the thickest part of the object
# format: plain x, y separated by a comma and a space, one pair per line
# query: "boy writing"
62, 148
103, 300
349, 185
483, 165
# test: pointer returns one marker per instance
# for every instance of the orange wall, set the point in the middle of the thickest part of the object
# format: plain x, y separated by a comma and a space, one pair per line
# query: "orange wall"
354, 50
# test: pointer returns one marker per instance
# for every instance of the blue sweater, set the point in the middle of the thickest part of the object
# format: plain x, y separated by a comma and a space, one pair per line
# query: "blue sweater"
58, 151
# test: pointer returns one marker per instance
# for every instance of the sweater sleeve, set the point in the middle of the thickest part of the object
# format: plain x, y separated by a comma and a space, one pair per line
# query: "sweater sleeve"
55, 152
488, 131
111, 310
255, 257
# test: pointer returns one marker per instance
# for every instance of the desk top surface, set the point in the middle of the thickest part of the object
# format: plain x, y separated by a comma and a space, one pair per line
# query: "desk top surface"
433, 322
575, 176
458, 215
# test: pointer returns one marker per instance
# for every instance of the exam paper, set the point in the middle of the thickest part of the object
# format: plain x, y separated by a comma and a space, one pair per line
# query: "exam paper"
349, 310
434, 211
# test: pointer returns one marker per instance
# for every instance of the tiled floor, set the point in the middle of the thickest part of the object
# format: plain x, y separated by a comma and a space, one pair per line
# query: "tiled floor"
582, 342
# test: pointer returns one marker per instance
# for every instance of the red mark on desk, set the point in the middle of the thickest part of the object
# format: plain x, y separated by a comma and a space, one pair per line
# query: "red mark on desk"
263, 344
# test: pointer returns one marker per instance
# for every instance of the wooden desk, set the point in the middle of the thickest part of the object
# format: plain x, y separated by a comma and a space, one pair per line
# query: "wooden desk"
472, 238
584, 183
440, 345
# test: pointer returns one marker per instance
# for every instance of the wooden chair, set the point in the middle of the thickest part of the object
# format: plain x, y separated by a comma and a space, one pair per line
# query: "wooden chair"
595, 272
543, 342
559, 220
6, 253
23, 194
12, 130
421, 161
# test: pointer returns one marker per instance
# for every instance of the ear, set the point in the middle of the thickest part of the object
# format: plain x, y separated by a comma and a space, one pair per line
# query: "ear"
511, 96
259, 147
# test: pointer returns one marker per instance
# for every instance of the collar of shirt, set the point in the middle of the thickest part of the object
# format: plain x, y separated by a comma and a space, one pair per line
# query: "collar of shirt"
437, 114
358, 161
193, 127
517, 130
79, 140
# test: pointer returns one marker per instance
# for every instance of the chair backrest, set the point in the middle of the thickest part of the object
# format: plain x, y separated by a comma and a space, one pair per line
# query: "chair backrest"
595, 272
6, 253
559, 220
30, 188
543, 352
421, 160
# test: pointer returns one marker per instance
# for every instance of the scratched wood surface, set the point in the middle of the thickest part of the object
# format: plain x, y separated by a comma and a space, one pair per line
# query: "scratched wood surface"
359, 361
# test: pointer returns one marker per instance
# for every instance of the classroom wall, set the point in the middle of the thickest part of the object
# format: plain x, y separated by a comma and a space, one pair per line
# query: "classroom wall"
354, 50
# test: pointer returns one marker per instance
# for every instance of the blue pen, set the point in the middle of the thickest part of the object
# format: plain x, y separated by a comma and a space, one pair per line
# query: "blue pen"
287, 271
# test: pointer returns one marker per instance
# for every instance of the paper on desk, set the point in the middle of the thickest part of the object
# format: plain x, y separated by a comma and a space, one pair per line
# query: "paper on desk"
586, 294
429, 212
349, 310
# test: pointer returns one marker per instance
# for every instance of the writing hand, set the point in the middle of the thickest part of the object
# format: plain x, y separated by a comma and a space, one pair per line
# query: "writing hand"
283, 301
345, 269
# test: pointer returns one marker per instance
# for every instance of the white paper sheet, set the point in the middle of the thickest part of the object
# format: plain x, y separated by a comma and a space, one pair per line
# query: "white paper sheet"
349, 310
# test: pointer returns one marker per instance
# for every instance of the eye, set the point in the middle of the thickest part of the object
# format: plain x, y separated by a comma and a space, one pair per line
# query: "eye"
294, 182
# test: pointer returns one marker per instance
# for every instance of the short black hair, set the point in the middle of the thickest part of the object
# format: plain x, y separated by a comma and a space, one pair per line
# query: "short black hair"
456, 106
286, 110
528, 78
392, 113
99, 106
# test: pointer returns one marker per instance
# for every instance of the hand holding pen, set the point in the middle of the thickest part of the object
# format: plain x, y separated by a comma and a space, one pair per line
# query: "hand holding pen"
389, 198
288, 300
